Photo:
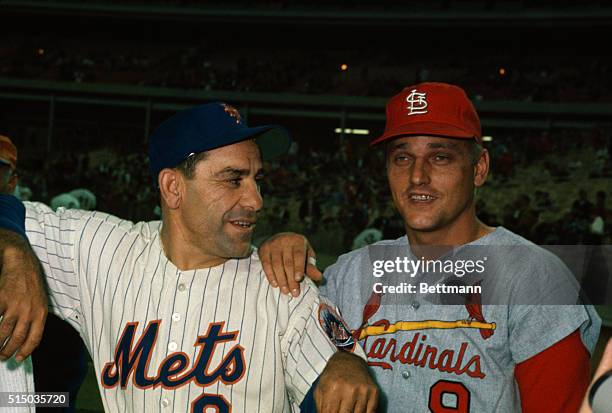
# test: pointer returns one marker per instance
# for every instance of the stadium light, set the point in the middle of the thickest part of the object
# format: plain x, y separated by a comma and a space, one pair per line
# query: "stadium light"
349, 131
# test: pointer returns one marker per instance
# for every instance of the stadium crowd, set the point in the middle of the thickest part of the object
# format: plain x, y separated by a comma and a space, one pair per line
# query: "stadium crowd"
485, 5
200, 66
532, 192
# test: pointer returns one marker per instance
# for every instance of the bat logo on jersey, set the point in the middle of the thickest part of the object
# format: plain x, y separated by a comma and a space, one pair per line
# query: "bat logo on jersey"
473, 306
175, 371
417, 105
412, 352
335, 327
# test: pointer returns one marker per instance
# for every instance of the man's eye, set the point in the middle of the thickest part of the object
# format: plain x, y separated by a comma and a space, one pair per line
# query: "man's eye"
441, 157
235, 181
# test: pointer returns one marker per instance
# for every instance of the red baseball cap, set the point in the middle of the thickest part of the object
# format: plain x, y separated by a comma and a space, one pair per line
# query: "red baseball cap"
8, 152
436, 109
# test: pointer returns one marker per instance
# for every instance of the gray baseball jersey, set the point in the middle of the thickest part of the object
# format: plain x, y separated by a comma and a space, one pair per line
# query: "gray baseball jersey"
163, 339
422, 366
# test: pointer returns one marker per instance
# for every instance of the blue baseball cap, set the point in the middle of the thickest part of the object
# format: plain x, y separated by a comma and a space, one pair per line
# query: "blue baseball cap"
207, 127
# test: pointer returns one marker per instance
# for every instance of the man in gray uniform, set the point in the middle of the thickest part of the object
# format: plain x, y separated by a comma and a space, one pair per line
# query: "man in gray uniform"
470, 356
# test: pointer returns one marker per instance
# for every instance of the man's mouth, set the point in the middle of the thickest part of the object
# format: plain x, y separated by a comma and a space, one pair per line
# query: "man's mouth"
244, 225
421, 198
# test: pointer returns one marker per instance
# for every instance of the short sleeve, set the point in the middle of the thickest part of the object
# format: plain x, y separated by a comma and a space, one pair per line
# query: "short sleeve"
53, 239
329, 289
335, 275
315, 331
535, 327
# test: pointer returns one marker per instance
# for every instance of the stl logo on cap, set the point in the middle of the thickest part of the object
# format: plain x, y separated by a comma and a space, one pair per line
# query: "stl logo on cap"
417, 105
232, 111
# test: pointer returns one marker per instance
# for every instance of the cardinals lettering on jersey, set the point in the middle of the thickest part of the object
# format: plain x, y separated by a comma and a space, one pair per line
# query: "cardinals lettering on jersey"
411, 352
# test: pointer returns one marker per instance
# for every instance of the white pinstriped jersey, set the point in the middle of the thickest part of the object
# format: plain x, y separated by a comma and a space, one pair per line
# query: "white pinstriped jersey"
168, 340
16, 377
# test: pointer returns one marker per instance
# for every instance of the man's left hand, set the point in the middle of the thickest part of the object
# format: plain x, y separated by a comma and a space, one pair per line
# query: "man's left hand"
346, 386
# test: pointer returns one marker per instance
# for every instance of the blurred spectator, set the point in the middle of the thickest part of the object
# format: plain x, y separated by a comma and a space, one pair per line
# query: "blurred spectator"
483, 213
600, 206
330, 189
366, 237
600, 219
541, 77
521, 218
64, 201
583, 203
8, 165
86, 198
23, 193
577, 224
310, 210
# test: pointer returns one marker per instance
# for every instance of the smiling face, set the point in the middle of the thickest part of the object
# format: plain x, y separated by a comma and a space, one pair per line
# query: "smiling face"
219, 207
432, 181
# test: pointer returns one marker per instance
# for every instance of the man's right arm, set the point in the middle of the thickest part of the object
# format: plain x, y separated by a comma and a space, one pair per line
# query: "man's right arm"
23, 302
54, 238
317, 344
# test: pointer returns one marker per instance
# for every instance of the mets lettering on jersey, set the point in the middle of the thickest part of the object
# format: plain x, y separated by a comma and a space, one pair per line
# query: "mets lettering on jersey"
163, 339
135, 359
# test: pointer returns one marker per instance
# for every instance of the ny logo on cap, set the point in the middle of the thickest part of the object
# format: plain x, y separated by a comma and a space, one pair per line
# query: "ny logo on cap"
232, 111
417, 105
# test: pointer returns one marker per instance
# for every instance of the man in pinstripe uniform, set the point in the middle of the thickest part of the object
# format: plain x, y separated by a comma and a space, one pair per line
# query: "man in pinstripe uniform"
178, 315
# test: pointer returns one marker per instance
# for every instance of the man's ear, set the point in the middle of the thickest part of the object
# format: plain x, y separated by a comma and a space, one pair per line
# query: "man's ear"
481, 169
171, 184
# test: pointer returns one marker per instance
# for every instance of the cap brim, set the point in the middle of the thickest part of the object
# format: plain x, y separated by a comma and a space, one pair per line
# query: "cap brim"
426, 129
273, 140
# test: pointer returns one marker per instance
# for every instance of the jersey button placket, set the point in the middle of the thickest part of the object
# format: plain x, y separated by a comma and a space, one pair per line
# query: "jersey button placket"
178, 309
